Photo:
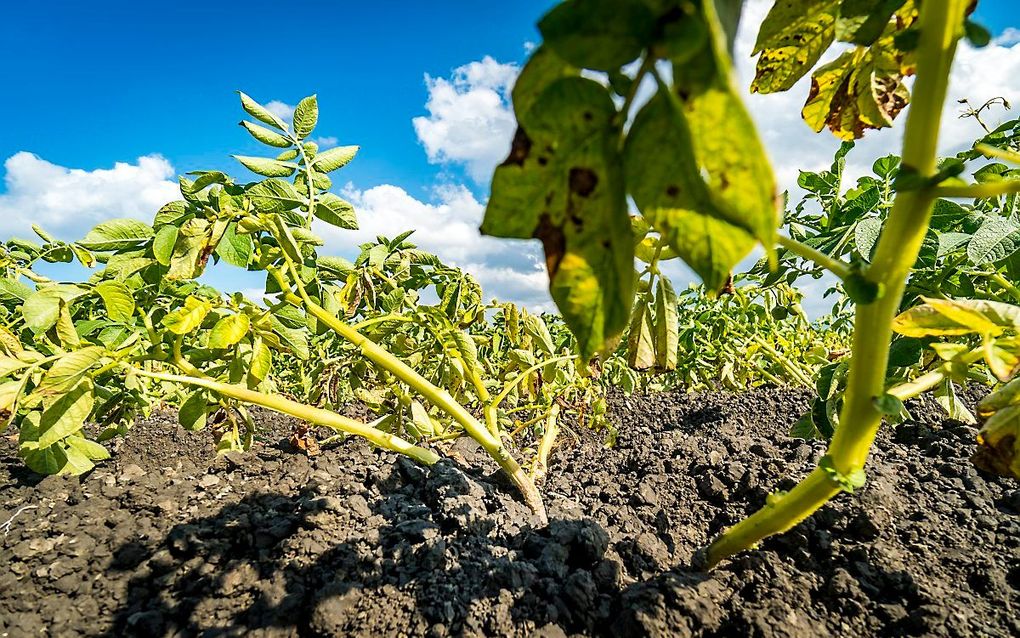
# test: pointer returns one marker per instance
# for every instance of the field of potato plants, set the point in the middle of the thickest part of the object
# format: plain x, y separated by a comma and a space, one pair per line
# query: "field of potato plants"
375, 448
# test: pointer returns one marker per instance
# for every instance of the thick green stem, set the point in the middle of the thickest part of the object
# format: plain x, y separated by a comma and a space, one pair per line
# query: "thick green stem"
299, 410
898, 247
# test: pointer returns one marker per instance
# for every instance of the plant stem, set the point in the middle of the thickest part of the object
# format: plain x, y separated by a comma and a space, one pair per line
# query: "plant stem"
837, 267
898, 247
979, 191
329, 419
437, 396
929, 380
552, 429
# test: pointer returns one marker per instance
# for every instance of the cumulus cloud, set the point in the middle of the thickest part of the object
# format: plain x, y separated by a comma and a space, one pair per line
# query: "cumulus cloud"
281, 110
68, 201
447, 226
470, 119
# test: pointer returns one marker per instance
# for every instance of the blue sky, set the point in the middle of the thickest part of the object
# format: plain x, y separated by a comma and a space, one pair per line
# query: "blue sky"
92, 87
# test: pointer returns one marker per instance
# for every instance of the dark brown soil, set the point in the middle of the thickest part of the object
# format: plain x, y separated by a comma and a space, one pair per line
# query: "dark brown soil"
167, 539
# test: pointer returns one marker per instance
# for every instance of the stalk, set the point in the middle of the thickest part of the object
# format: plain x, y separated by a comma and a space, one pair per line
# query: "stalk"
897, 250
434, 394
277, 403
552, 429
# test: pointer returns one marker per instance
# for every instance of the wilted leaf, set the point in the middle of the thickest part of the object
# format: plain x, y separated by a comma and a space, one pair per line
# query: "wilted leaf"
792, 37
189, 317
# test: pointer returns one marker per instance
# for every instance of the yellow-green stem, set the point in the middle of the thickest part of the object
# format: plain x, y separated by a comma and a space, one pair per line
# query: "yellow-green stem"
545, 446
435, 395
319, 416
898, 247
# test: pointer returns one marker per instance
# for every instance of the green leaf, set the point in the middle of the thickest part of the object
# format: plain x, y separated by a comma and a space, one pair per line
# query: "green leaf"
995, 240
171, 213
667, 326
888, 404
235, 249
267, 166
261, 362
117, 234
163, 244
294, 339
866, 236
66, 415
673, 197
274, 196
641, 337
334, 158
338, 212
563, 184
266, 136
68, 370
421, 419
120, 304
306, 114
13, 291
189, 317
192, 414
42, 308
791, 39
598, 34
228, 331
90, 449
260, 112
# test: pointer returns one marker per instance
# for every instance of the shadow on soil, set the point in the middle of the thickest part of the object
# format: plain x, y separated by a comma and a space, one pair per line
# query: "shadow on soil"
425, 558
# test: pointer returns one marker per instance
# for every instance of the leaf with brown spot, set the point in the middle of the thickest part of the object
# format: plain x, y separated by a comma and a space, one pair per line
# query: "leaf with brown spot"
563, 184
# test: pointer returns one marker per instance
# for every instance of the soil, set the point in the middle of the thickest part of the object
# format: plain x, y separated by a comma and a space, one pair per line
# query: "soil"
167, 539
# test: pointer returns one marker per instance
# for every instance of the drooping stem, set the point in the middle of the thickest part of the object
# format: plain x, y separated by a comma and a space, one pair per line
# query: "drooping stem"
319, 416
434, 394
897, 250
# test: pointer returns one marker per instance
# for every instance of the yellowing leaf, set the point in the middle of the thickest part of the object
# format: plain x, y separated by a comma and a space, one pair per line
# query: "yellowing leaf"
792, 37
189, 317
228, 331
120, 304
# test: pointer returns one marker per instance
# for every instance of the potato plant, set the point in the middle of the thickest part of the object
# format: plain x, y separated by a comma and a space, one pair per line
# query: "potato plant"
690, 160
142, 325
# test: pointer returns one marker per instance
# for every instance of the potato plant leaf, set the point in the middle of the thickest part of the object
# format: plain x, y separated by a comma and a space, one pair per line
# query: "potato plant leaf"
188, 317
228, 331
563, 184
598, 34
306, 115
266, 166
117, 234
791, 39
336, 211
119, 302
334, 158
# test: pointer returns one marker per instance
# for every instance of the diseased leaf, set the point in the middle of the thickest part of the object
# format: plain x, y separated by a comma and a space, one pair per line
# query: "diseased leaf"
863, 21
667, 326
563, 184
946, 317
791, 39
674, 198
68, 370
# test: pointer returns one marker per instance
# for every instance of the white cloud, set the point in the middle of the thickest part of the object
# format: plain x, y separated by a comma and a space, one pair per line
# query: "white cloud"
325, 141
1008, 37
281, 110
68, 201
448, 227
470, 119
